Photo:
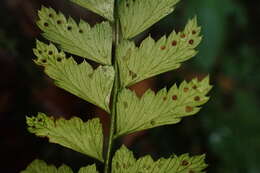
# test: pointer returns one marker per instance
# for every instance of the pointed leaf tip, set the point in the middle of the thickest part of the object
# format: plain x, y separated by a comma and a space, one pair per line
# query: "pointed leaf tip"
104, 8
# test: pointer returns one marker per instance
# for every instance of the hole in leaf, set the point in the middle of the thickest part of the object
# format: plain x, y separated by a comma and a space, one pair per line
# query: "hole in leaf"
174, 97
46, 24
50, 52
50, 15
81, 31
194, 32
188, 109
44, 60
40, 52
174, 43
59, 22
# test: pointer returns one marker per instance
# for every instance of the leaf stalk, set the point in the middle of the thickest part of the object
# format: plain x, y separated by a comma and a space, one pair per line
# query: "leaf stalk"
116, 86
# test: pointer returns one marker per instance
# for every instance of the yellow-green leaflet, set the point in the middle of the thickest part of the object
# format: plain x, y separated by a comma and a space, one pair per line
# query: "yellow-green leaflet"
124, 162
39, 166
81, 79
83, 137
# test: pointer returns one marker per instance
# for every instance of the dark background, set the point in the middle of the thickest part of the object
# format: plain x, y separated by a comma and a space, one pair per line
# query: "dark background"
227, 129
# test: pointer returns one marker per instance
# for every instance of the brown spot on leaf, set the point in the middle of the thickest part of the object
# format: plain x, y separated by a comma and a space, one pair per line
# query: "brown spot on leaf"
174, 97
59, 22
174, 43
188, 109
184, 163
191, 42
197, 98
46, 24
183, 35
194, 87
194, 32
163, 47
185, 89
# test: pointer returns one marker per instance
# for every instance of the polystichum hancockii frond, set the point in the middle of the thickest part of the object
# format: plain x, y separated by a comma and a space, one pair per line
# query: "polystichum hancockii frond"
120, 66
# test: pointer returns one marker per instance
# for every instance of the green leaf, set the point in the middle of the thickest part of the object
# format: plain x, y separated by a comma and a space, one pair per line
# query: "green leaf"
152, 110
38, 166
153, 58
104, 8
86, 138
79, 39
88, 169
81, 80
124, 162
138, 15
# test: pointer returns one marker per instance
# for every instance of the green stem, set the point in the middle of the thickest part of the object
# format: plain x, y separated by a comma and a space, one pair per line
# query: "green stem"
115, 90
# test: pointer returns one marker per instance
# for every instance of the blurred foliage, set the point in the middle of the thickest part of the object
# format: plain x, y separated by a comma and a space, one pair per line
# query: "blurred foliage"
227, 128
230, 122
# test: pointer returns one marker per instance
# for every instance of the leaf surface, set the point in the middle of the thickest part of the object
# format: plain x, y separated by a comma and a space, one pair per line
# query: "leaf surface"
153, 110
124, 162
104, 8
83, 137
88, 169
153, 58
138, 15
81, 80
94, 43
39, 166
